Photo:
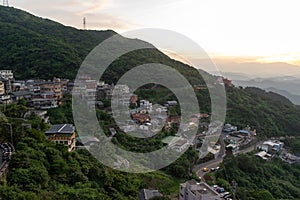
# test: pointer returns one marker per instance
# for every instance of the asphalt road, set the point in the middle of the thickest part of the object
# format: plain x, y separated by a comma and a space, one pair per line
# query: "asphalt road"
212, 163
216, 162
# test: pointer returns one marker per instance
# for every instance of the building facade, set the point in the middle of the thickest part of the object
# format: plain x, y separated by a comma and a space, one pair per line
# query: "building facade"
192, 190
2, 88
62, 134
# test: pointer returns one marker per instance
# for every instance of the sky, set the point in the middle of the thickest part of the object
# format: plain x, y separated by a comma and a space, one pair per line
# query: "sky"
231, 31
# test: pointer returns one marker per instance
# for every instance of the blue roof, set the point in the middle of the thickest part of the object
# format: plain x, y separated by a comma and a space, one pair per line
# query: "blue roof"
245, 132
61, 129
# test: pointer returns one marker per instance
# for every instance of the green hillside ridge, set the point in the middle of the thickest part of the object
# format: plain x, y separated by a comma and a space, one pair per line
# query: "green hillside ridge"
36, 47
262, 112
39, 48
45, 48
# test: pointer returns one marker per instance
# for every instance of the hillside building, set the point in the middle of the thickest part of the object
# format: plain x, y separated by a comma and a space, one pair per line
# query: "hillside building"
62, 134
191, 190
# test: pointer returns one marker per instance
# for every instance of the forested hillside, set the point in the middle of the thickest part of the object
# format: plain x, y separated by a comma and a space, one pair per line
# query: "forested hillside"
261, 180
40, 169
36, 47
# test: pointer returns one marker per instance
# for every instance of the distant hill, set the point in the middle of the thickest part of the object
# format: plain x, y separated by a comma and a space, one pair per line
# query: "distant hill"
286, 86
269, 95
293, 97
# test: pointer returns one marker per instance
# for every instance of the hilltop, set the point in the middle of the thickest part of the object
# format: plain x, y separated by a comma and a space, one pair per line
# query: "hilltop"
35, 47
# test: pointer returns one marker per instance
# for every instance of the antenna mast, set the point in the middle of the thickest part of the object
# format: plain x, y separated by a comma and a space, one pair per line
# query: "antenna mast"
5, 3
84, 23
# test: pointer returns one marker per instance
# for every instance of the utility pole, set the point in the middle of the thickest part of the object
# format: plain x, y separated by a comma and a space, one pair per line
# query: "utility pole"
5, 3
84, 23
234, 187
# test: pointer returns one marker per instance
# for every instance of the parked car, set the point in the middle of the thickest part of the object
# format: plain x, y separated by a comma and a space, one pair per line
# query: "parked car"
215, 187
220, 190
224, 194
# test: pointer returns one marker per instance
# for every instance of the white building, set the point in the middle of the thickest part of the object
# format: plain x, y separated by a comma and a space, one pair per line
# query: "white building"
191, 190
271, 146
6, 74
172, 103
2, 88
263, 155
5, 99
121, 95
179, 144
145, 104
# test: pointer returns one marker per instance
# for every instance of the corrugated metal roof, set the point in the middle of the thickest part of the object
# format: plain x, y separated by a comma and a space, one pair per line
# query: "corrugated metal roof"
61, 128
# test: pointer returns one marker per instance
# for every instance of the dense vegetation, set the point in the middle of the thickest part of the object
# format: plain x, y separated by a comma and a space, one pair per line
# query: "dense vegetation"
47, 49
34, 47
44, 170
268, 115
293, 145
258, 179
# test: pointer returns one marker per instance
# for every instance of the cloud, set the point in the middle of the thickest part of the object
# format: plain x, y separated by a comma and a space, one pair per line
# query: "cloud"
91, 7
71, 13
107, 21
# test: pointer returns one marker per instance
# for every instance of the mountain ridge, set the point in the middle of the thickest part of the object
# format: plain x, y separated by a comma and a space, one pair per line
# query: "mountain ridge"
33, 51
64, 46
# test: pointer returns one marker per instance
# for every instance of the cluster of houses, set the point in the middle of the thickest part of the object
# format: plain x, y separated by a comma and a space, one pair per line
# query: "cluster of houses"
149, 118
183, 139
270, 148
237, 138
47, 94
39, 94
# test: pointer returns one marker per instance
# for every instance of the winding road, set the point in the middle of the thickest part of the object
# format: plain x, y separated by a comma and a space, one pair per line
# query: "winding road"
198, 169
